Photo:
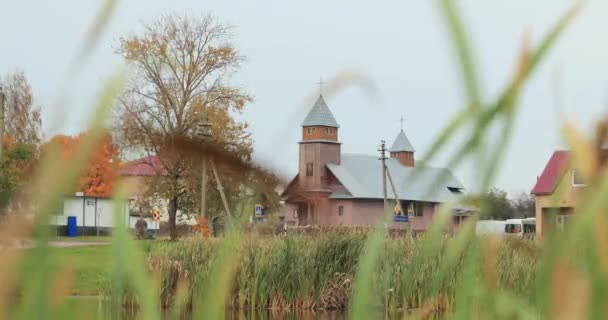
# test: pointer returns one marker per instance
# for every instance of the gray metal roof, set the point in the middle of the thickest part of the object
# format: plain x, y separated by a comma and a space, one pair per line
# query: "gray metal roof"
361, 175
402, 143
320, 115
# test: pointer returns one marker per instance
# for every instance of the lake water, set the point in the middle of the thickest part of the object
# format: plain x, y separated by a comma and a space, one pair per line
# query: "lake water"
95, 308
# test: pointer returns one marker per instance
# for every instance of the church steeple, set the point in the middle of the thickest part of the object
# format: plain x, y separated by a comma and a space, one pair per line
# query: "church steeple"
403, 150
320, 123
319, 146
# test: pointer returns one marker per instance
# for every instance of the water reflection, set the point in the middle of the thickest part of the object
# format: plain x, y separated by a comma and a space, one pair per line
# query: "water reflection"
95, 308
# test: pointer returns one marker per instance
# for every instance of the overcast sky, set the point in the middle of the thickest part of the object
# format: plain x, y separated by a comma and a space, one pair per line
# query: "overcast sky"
400, 45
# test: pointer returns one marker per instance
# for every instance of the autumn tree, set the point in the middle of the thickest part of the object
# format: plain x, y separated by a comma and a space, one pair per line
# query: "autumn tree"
181, 66
103, 168
20, 140
22, 122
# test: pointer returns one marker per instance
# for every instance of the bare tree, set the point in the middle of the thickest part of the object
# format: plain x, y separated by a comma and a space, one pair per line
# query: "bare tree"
181, 65
22, 120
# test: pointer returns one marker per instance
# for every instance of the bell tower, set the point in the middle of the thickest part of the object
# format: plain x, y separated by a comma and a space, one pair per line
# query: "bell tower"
319, 146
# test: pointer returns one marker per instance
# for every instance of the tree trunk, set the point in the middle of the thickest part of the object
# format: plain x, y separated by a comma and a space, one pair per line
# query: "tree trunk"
172, 218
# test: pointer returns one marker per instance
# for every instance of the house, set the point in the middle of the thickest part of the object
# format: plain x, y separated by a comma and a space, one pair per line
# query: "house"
95, 215
556, 193
335, 189
137, 174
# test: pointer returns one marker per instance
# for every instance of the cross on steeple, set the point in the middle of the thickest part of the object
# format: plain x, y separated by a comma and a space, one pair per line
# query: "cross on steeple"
401, 120
320, 83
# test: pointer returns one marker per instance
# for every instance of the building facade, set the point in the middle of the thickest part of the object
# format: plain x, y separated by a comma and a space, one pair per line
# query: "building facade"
332, 189
556, 193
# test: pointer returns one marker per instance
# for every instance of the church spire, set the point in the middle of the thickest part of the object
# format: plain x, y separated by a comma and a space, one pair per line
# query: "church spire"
320, 115
403, 150
402, 143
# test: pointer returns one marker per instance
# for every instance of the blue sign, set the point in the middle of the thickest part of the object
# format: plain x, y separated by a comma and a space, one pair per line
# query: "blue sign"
400, 219
410, 214
258, 210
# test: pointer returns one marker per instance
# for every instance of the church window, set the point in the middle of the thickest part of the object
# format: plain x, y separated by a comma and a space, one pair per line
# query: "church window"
309, 169
340, 211
311, 130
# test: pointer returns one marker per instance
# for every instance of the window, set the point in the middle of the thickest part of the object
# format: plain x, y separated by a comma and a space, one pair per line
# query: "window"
513, 228
311, 130
309, 169
419, 209
577, 179
340, 211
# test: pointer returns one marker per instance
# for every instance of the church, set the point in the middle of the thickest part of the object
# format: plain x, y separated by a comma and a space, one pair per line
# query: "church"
332, 189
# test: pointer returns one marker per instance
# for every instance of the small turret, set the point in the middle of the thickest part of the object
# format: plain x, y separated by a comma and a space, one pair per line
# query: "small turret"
402, 150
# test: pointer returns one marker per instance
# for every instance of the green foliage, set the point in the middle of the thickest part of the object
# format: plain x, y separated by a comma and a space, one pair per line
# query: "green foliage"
15, 166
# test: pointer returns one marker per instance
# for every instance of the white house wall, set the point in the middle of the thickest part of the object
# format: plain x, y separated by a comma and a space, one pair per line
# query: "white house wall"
86, 217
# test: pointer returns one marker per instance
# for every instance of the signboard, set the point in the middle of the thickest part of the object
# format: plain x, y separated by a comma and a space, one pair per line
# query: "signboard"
90, 202
156, 215
258, 210
400, 219
410, 214
397, 209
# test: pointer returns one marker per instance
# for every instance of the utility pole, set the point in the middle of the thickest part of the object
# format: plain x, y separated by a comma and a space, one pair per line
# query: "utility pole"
204, 132
1, 120
383, 159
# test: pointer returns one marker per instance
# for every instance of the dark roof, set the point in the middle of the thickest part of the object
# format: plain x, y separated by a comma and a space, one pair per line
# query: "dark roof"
554, 170
402, 144
320, 115
146, 166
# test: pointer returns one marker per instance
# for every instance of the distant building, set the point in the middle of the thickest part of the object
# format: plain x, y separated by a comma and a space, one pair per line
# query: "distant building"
95, 215
335, 189
556, 193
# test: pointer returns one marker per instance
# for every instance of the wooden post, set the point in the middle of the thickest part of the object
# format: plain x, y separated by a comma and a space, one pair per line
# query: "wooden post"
220, 189
204, 188
383, 159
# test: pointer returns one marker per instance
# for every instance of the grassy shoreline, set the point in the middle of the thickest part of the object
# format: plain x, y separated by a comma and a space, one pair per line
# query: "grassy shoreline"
317, 273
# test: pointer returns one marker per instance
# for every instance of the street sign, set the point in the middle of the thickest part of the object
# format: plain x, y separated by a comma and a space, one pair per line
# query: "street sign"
400, 219
156, 215
397, 209
258, 209
410, 214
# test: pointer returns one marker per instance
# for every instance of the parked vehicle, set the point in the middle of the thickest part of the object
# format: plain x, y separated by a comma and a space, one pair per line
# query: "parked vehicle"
521, 227
490, 227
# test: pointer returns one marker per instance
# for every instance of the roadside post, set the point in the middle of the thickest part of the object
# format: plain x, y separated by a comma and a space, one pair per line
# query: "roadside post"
156, 218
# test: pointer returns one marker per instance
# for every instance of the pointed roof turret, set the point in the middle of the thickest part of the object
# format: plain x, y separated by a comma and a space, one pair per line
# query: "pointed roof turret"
402, 144
320, 115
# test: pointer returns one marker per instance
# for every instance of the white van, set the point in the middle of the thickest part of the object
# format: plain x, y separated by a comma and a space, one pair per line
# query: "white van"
490, 227
521, 227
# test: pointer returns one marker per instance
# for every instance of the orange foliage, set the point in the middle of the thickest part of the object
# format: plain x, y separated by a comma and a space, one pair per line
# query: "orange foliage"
104, 164
202, 227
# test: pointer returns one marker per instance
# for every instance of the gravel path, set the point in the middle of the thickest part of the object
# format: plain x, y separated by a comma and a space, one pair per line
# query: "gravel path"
67, 244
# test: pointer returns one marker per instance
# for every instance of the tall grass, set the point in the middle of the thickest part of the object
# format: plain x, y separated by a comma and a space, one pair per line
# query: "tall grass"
567, 277
316, 272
